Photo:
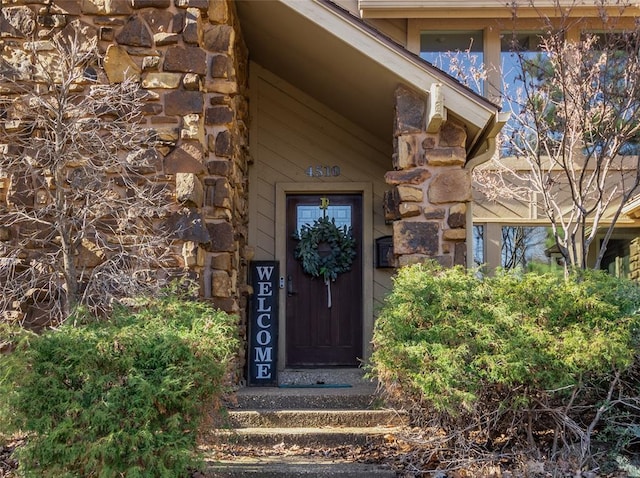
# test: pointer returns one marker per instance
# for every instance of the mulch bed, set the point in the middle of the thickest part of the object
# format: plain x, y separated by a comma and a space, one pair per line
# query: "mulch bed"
407, 459
410, 460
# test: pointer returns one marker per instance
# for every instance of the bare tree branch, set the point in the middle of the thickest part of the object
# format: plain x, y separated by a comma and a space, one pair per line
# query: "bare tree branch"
84, 189
575, 126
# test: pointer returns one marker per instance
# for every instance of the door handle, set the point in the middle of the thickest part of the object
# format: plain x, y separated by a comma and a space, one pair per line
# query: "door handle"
290, 290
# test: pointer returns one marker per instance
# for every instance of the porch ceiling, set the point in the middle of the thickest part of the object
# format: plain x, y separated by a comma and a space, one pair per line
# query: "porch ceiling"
347, 66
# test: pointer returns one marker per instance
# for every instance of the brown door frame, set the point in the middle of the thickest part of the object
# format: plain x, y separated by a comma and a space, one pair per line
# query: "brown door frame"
366, 189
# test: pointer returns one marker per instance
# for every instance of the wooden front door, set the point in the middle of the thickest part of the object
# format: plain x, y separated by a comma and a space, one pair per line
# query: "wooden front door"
316, 334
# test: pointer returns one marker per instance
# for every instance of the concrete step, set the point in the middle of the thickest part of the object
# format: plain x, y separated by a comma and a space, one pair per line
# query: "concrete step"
294, 466
357, 397
303, 415
329, 437
315, 418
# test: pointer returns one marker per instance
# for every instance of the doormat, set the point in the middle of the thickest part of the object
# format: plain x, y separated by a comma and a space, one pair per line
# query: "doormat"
316, 385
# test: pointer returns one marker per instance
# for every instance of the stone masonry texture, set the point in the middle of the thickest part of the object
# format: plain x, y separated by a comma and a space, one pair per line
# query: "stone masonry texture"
191, 59
430, 186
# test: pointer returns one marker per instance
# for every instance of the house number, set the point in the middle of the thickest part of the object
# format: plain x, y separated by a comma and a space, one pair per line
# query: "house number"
323, 171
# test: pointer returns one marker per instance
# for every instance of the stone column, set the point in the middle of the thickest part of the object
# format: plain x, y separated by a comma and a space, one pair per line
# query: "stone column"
431, 188
191, 58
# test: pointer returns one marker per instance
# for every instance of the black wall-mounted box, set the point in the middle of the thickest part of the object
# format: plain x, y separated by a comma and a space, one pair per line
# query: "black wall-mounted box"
384, 252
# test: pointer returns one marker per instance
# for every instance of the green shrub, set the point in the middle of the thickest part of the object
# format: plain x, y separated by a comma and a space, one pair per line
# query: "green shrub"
445, 334
120, 397
511, 352
10, 335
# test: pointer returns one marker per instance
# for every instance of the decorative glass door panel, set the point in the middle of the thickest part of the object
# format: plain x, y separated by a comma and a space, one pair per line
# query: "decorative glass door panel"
308, 214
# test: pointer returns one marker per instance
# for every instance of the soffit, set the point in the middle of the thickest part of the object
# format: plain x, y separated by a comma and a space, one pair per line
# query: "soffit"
335, 58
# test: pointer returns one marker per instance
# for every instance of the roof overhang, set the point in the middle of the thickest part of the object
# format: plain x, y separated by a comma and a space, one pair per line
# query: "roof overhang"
632, 208
347, 65
490, 8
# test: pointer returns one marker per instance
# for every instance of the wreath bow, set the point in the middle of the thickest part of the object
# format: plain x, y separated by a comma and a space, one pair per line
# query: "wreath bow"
328, 265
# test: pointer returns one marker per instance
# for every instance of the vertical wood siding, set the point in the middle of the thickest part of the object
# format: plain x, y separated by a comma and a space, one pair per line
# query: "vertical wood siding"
292, 132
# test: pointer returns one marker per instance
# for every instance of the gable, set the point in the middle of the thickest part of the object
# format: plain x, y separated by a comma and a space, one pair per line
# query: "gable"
352, 68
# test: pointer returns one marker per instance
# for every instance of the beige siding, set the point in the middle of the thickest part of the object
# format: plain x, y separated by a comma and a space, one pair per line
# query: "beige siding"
291, 132
394, 28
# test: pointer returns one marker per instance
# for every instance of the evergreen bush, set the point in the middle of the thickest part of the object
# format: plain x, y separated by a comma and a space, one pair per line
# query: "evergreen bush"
512, 354
119, 397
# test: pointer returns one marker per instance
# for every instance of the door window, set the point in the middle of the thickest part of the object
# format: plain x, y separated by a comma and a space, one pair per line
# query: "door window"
308, 214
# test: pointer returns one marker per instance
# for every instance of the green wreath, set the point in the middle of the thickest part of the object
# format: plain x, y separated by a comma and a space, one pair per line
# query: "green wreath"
342, 248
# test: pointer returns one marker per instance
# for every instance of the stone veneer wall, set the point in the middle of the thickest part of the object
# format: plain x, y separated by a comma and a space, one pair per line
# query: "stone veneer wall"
190, 56
431, 187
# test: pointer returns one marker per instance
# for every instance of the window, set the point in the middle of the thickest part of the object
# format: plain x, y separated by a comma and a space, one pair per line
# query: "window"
617, 258
478, 245
618, 48
458, 53
518, 50
521, 59
523, 246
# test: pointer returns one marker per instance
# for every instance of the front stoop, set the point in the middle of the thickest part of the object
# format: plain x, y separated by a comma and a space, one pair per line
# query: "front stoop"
265, 421
326, 376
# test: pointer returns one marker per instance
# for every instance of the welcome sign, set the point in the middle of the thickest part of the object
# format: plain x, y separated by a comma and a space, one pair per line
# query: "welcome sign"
263, 323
